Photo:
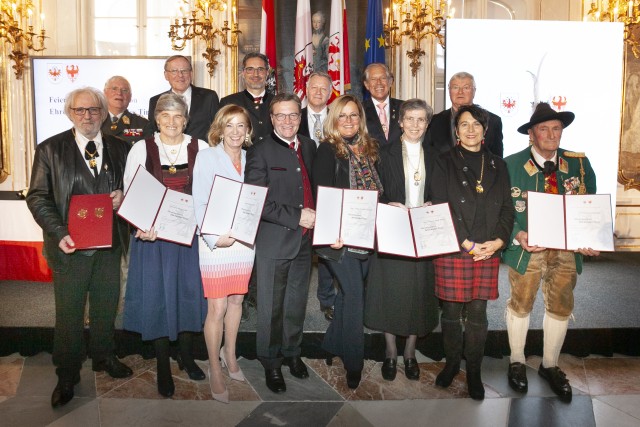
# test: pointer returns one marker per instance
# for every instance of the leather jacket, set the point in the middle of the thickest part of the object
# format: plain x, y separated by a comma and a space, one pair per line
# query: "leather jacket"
53, 178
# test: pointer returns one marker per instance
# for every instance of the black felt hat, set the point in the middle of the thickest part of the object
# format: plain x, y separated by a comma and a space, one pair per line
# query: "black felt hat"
544, 113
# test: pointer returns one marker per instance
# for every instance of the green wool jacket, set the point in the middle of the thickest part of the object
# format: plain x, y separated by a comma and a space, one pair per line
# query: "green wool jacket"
525, 176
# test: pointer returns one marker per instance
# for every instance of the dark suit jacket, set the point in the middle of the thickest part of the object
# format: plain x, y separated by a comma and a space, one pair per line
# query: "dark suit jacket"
439, 133
260, 120
53, 178
136, 129
204, 106
304, 123
391, 171
453, 182
274, 165
373, 122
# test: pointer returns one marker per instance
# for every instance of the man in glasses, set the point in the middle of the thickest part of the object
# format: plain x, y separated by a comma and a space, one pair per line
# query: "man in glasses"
203, 103
254, 98
79, 161
282, 162
121, 122
441, 134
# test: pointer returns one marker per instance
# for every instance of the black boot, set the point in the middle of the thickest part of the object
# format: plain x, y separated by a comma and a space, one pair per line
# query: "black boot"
452, 340
185, 357
475, 335
165, 381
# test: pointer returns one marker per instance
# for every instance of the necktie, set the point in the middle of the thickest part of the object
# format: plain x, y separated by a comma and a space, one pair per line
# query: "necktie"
382, 115
257, 100
114, 122
91, 153
549, 167
317, 128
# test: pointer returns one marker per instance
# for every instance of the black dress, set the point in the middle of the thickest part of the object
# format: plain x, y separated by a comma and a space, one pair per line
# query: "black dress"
400, 295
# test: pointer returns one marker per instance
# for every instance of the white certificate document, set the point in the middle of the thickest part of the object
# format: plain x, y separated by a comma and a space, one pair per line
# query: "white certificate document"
433, 230
359, 209
328, 215
346, 214
176, 221
545, 219
148, 203
393, 228
589, 222
248, 213
143, 199
234, 207
417, 232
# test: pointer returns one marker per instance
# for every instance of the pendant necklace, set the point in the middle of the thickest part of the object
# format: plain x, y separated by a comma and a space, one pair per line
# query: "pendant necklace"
479, 187
172, 168
92, 158
416, 174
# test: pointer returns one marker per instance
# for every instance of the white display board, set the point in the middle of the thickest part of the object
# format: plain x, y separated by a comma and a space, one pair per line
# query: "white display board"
575, 66
54, 77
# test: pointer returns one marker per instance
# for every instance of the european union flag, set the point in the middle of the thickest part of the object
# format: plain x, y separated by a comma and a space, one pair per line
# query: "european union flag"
374, 38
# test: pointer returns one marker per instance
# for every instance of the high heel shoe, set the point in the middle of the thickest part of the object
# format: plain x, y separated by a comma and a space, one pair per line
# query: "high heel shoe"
220, 397
238, 376
192, 369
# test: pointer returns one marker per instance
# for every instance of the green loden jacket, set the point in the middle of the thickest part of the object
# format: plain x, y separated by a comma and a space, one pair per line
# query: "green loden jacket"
525, 176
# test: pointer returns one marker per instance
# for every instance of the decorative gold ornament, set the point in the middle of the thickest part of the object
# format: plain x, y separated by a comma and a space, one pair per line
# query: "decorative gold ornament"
17, 29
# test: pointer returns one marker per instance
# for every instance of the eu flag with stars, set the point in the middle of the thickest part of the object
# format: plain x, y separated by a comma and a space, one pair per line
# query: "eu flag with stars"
374, 38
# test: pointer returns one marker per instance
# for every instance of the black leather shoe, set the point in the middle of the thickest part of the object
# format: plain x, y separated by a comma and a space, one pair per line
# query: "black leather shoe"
353, 379
411, 369
328, 313
296, 366
191, 368
558, 382
389, 369
518, 377
112, 366
275, 380
448, 373
62, 394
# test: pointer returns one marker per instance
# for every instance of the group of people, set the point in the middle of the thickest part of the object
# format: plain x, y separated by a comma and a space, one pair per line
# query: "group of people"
410, 156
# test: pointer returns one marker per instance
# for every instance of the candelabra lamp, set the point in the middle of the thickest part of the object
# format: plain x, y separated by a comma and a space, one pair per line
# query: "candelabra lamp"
17, 20
198, 24
422, 19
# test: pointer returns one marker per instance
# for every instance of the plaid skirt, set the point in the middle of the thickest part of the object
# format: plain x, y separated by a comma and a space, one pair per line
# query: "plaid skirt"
461, 279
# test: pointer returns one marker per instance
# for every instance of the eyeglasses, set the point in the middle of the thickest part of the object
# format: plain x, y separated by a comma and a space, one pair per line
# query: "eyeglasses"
176, 72
119, 89
294, 117
465, 88
414, 120
251, 70
80, 111
345, 117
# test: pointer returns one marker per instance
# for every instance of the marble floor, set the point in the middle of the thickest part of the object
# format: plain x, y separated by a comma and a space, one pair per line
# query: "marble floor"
606, 392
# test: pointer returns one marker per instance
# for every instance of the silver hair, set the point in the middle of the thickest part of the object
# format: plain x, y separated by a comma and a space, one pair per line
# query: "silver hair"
171, 102
98, 98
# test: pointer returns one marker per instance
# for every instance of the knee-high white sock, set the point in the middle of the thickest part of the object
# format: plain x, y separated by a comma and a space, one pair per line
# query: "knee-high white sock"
554, 332
517, 328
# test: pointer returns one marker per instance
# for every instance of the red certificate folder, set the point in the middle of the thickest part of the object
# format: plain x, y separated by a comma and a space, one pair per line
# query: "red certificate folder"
91, 221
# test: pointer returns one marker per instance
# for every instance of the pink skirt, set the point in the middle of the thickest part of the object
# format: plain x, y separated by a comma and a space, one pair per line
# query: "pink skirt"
225, 271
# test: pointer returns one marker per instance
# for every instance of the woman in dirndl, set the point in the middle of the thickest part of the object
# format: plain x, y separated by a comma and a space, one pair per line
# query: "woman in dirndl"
164, 300
225, 263
475, 183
